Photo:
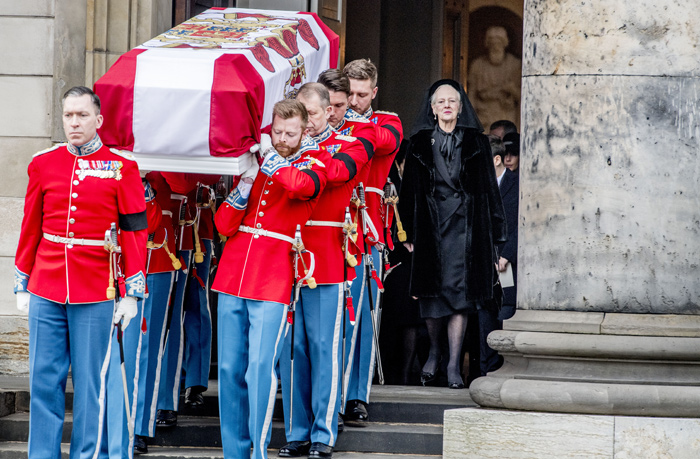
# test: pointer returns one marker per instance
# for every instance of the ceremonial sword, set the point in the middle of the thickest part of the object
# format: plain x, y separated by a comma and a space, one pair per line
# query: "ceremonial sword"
298, 249
370, 273
112, 246
348, 260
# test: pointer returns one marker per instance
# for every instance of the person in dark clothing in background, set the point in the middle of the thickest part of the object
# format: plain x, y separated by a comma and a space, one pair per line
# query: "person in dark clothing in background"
511, 160
490, 319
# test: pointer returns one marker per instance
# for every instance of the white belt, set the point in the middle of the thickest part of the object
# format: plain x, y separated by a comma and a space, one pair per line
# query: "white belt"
372, 189
266, 233
179, 197
168, 213
324, 223
73, 241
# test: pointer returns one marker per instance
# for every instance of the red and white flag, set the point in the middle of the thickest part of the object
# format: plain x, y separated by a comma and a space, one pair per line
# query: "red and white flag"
207, 87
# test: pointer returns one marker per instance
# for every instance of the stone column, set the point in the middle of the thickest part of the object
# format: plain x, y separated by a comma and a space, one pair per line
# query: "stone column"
609, 226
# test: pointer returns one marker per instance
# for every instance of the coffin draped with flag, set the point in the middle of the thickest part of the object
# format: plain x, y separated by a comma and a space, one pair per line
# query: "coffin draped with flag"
206, 88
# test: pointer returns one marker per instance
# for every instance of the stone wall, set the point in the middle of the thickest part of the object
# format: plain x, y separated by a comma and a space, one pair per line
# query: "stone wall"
26, 81
609, 215
48, 46
609, 225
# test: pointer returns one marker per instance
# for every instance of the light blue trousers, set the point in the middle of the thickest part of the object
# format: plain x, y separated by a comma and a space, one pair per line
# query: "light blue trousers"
360, 358
317, 366
171, 365
250, 338
160, 287
197, 324
63, 336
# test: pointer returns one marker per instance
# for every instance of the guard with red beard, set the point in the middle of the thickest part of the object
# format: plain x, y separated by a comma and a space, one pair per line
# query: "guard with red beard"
311, 427
256, 275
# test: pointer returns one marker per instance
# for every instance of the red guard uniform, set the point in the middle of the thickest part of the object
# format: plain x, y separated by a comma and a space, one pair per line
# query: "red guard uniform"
361, 352
323, 233
255, 284
160, 262
74, 195
197, 323
320, 311
278, 203
71, 198
389, 134
361, 128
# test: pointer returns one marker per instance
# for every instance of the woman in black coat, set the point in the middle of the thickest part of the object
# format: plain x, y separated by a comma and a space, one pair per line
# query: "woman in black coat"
453, 216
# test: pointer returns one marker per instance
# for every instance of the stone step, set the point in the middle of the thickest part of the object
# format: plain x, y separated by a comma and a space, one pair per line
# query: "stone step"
400, 404
17, 450
202, 431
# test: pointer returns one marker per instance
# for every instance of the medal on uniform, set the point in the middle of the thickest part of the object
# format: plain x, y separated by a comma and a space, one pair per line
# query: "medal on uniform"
99, 169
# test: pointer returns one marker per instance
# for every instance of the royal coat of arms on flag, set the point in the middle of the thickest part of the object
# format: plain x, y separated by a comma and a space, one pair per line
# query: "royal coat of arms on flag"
206, 87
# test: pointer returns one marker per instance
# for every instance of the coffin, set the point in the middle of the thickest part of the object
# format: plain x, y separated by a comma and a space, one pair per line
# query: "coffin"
195, 98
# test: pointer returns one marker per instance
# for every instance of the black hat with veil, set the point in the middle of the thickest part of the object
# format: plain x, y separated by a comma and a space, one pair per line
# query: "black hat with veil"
467, 116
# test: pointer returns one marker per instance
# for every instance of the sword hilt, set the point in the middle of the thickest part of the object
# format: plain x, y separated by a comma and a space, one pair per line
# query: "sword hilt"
354, 199
361, 194
348, 230
111, 246
183, 212
387, 188
298, 247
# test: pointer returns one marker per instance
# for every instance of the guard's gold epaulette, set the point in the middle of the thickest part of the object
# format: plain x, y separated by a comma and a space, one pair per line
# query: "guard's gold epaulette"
382, 112
346, 138
123, 154
58, 145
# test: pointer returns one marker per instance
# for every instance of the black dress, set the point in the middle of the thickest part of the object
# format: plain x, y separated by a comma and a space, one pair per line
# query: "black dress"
452, 217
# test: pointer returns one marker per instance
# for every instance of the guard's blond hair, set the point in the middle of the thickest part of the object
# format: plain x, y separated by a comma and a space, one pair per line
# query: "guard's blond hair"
361, 69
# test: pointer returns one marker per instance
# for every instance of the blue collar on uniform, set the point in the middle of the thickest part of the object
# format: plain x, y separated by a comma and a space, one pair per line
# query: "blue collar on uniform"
350, 115
340, 126
86, 148
368, 114
324, 135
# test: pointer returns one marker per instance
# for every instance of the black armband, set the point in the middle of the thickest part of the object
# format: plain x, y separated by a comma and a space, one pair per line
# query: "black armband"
317, 182
349, 163
133, 222
369, 148
394, 131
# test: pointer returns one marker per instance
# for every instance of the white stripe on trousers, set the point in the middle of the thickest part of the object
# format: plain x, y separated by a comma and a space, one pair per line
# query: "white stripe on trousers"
375, 326
161, 350
103, 388
331, 414
353, 339
135, 392
273, 384
181, 349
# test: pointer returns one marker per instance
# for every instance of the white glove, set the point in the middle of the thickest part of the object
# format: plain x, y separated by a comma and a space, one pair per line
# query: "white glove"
23, 301
255, 148
126, 310
249, 175
265, 145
